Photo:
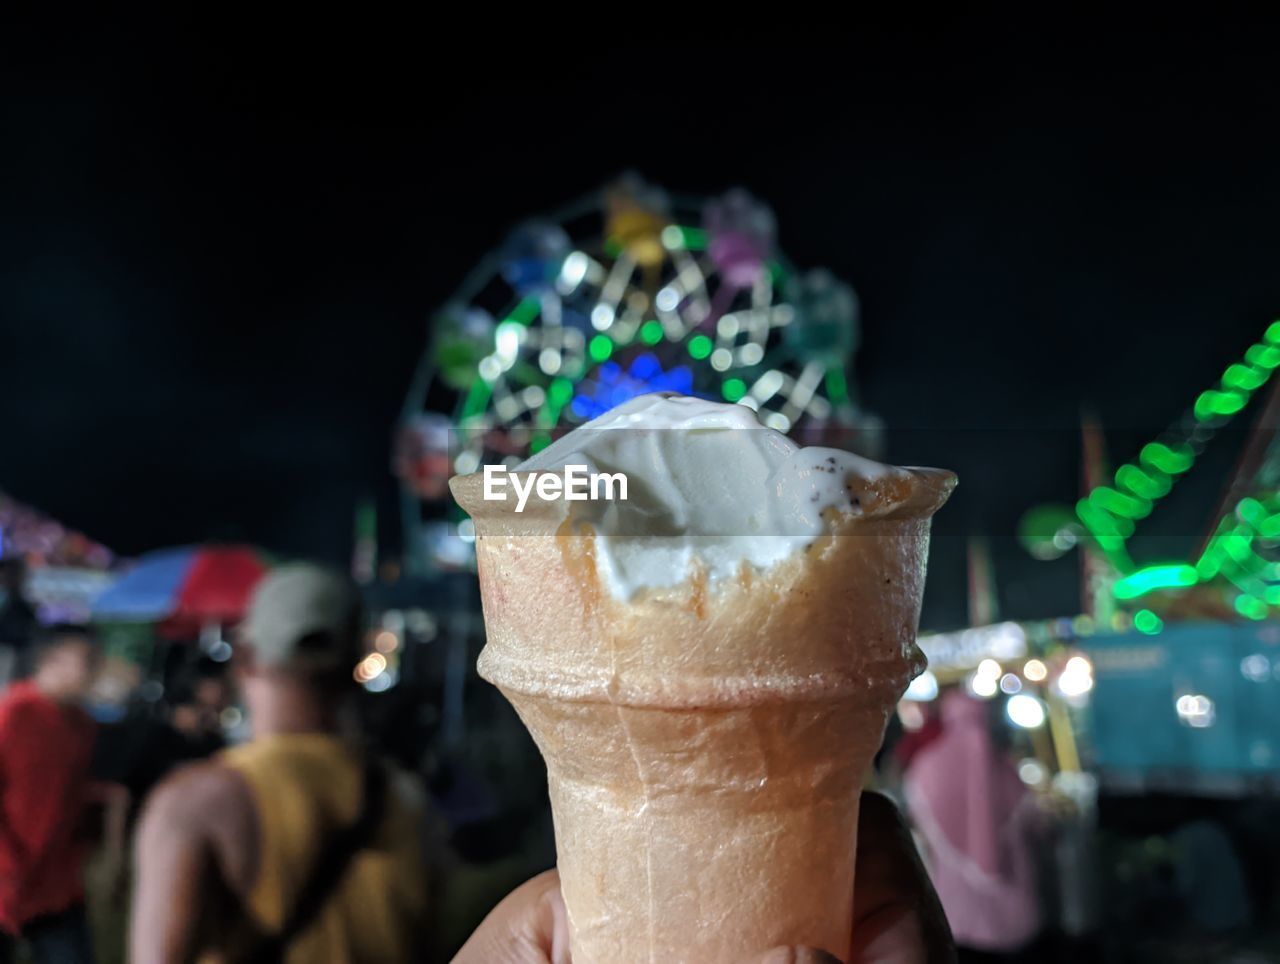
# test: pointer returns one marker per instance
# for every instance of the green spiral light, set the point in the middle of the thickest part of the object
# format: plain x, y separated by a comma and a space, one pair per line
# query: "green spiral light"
1110, 511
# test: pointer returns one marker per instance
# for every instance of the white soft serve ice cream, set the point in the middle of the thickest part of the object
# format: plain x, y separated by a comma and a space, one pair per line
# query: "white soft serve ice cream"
708, 487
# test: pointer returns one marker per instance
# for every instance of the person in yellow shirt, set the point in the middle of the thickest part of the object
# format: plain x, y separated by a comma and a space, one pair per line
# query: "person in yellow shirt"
300, 845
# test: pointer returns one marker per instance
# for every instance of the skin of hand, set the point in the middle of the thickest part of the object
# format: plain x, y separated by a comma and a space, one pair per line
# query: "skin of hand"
897, 916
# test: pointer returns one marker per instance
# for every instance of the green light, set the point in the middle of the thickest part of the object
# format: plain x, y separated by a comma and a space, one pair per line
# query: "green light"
1145, 621
477, 398
1244, 377
600, 348
1251, 607
1208, 565
651, 332
1264, 356
1176, 575
1171, 461
1237, 545
1109, 513
1100, 523
1251, 511
1149, 486
1231, 402
837, 385
695, 239
1211, 404
1104, 528
525, 311
733, 389
1272, 595
1253, 564
559, 392
1125, 506
539, 442
700, 347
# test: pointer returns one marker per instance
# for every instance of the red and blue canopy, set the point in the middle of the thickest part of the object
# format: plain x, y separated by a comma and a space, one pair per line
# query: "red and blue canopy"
186, 588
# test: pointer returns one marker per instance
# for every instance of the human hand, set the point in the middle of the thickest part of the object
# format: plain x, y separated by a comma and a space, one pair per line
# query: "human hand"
529, 926
897, 917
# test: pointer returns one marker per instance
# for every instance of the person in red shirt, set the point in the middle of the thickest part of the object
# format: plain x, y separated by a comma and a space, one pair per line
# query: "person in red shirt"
46, 741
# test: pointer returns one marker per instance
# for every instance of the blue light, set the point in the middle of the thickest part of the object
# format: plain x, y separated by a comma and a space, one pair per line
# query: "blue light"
611, 385
532, 256
645, 367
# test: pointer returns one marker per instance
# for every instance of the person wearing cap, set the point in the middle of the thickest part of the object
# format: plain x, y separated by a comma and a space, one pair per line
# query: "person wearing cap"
298, 845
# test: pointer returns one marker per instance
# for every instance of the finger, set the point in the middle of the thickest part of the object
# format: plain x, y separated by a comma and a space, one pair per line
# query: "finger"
796, 955
896, 913
528, 927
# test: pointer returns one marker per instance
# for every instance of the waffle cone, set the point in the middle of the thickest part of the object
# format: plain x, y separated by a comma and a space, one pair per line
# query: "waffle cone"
706, 746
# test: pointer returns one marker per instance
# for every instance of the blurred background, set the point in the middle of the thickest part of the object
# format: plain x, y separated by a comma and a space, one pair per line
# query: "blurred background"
261, 296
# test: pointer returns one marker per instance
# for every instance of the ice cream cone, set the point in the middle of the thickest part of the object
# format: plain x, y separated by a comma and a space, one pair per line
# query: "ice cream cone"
706, 744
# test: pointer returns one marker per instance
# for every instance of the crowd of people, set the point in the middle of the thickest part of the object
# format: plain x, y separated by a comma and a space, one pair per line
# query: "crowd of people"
302, 843
299, 844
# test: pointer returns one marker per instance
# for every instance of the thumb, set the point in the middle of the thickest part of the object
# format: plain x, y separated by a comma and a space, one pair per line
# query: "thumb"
796, 955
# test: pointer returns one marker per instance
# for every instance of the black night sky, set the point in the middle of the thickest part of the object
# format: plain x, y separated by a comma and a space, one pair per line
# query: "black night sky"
217, 260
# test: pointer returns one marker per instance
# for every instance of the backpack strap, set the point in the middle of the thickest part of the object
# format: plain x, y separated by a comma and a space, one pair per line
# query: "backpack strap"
330, 867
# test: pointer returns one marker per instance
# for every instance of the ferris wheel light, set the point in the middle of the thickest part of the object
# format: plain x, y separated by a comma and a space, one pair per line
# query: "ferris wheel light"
668, 299
561, 353
600, 348
506, 341
699, 346
651, 332
572, 272
768, 385
549, 360
506, 408
733, 389
602, 317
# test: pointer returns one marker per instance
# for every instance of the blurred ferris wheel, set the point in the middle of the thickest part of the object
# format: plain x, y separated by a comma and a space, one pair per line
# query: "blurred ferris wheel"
625, 292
